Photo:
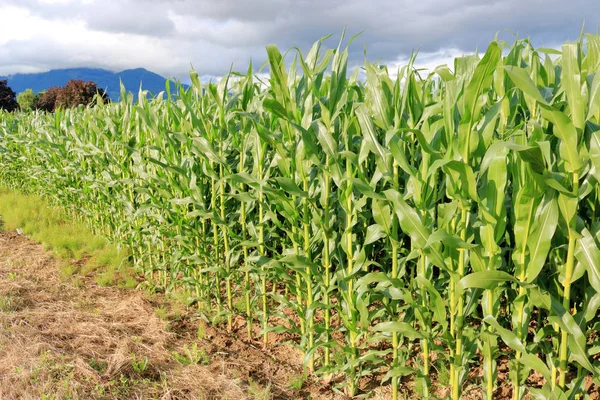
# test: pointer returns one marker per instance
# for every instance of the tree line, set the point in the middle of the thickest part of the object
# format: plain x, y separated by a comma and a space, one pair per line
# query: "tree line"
74, 93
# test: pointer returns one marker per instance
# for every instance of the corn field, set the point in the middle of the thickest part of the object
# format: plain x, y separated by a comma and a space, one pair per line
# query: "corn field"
397, 225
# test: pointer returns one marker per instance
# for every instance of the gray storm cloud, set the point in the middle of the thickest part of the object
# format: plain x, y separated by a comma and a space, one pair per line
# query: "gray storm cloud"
212, 35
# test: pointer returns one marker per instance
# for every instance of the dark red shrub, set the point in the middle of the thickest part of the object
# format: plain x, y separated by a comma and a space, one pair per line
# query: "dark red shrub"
74, 93
47, 99
78, 92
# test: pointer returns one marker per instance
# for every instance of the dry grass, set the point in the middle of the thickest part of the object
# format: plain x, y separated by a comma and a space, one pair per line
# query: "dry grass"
58, 341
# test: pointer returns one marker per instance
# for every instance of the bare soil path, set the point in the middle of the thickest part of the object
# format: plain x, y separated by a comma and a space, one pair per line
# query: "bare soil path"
59, 340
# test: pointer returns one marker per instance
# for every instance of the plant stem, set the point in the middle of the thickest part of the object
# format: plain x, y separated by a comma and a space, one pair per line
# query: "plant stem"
459, 307
350, 292
309, 285
521, 305
261, 252
395, 340
225, 233
216, 243
326, 262
564, 337
424, 342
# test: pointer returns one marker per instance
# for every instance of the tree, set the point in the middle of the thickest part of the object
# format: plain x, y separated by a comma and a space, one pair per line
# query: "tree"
47, 99
26, 100
8, 101
78, 92
74, 93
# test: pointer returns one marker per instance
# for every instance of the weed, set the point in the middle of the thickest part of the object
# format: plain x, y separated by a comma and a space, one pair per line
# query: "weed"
7, 304
192, 355
98, 365
201, 333
296, 381
139, 366
162, 313
257, 392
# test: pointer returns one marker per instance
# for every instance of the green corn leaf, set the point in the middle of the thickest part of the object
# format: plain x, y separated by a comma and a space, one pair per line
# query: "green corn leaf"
485, 280
533, 362
374, 233
588, 254
572, 83
399, 327
577, 339
523, 81
594, 103
442, 236
594, 153
540, 240
369, 134
482, 78
397, 372
507, 336
382, 215
412, 225
566, 132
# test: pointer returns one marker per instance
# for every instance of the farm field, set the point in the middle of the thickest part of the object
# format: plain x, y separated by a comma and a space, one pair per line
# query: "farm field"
403, 234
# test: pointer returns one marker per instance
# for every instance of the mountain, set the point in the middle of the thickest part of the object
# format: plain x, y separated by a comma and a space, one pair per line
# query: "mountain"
107, 80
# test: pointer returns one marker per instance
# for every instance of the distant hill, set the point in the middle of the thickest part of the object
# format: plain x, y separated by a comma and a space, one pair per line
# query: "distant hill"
107, 80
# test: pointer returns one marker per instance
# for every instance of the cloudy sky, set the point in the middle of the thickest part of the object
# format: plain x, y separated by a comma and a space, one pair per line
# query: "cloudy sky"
167, 36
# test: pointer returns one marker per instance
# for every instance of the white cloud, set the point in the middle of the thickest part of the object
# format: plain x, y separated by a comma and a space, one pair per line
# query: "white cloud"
166, 36
12, 20
56, 1
29, 42
230, 33
428, 61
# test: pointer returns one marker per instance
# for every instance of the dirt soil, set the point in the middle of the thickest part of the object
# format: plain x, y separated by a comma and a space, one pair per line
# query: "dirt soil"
59, 340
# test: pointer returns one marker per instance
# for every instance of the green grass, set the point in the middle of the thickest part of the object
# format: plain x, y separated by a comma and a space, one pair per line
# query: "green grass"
192, 355
81, 251
162, 313
296, 381
258, 392
7, 304
201, 333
